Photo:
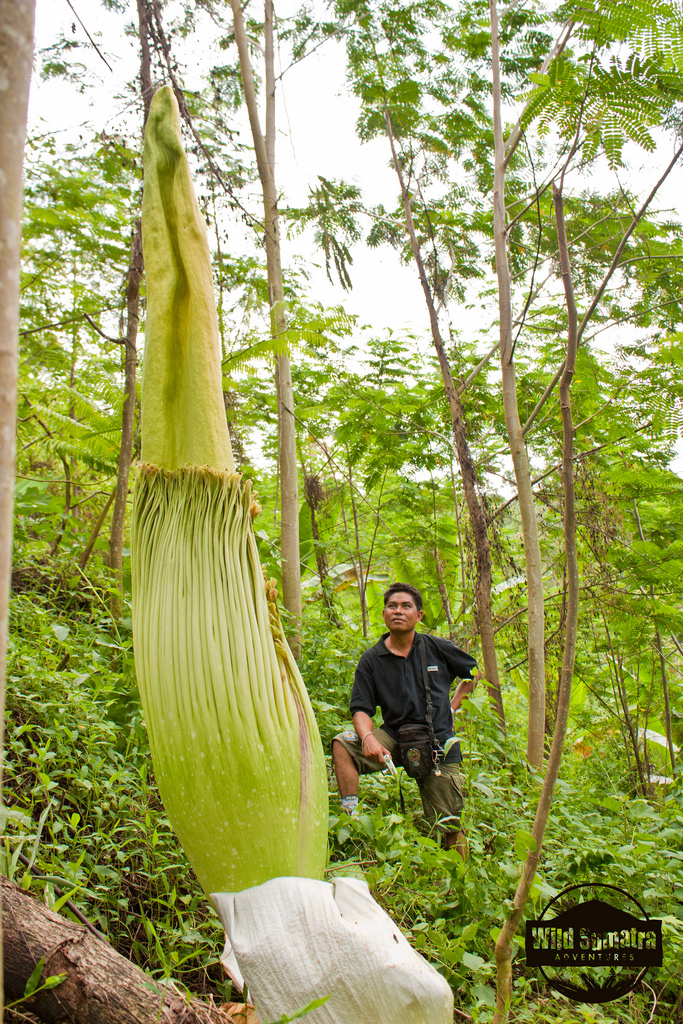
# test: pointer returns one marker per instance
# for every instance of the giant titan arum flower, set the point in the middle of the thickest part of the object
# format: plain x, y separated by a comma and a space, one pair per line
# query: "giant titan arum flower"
235, 746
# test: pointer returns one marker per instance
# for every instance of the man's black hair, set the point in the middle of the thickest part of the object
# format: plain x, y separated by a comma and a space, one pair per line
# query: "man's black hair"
404, 588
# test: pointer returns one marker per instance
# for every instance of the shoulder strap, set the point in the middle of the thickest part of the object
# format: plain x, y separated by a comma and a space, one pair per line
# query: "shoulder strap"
428, 692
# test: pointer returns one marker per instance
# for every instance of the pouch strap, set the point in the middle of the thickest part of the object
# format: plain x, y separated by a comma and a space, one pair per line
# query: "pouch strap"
436, 746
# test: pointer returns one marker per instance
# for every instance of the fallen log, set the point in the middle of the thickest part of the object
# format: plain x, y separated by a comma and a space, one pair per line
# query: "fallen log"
100, 985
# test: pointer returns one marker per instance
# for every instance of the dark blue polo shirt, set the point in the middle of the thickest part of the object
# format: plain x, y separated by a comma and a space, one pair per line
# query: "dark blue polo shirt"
395, 685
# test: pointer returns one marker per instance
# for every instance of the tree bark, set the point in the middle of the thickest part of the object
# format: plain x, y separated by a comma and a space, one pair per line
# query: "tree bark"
118, 519
144, 21
358, 560
662, 667
440, 575
52, 550
264, 148
16, 56
95, 532
532, 548
133, 282
467, 471
289, 498
314, 497
100, 987
504, 943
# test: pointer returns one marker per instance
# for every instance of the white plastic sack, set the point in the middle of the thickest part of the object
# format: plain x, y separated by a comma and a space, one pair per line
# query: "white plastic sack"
293, 940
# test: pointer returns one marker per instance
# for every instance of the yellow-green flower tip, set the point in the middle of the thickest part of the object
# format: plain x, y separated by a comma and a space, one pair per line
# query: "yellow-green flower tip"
183, 413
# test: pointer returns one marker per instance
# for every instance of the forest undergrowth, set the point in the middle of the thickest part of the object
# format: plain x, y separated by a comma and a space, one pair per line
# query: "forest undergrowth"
84, 822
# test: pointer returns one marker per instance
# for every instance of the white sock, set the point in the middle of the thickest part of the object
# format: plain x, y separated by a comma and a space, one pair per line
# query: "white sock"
349, 804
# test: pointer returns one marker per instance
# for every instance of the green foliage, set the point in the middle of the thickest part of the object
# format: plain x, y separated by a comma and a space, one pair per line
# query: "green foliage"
81, 803
303, 1012
451, 910
83, 807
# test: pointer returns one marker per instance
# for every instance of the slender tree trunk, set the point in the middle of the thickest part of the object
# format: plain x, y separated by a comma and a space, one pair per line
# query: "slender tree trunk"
358, 561
648, 709
461, 547
314, 497
467, 471
145, 18
662, 666
440, 575
264, 148
443, 593
504, 943
629, 728
340, 493
667, 705
133, 282
532, 548
118, 519
95, 532
16, 57
289, 499
67, 506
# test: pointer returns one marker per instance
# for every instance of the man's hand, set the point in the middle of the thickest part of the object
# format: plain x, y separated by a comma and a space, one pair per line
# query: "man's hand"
468, 686
373, 749
464, 690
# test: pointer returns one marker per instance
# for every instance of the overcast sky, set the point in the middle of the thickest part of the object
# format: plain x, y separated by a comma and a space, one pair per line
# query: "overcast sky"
316, 135
316, 124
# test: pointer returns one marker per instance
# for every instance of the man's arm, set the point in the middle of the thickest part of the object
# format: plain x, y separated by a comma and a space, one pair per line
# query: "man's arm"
462, 666
464, 689
372, 748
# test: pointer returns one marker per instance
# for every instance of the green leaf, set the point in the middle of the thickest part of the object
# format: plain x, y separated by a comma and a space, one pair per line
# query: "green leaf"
54, 980
367, 824
484, 994
62, 900
61, 632
34, 979
473, 961
308, 1008
524, 843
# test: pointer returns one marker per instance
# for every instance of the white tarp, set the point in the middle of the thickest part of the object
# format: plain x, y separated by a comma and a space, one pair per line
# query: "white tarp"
293, 940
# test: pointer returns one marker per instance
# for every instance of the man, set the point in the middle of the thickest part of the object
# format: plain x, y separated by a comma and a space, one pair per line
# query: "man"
390, 675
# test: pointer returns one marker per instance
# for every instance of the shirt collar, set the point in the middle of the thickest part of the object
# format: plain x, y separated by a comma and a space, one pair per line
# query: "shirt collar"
383, 650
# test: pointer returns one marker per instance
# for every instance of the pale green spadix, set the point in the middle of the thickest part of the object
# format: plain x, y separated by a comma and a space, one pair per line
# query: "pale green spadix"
235, 746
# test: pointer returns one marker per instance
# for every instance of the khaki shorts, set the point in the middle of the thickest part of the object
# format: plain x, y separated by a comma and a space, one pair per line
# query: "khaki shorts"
442, 795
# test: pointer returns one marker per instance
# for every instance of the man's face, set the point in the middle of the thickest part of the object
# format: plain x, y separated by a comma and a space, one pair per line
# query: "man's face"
400, 613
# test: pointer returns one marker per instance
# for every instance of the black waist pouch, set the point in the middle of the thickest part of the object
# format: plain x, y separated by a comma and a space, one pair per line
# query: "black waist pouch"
415, 749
